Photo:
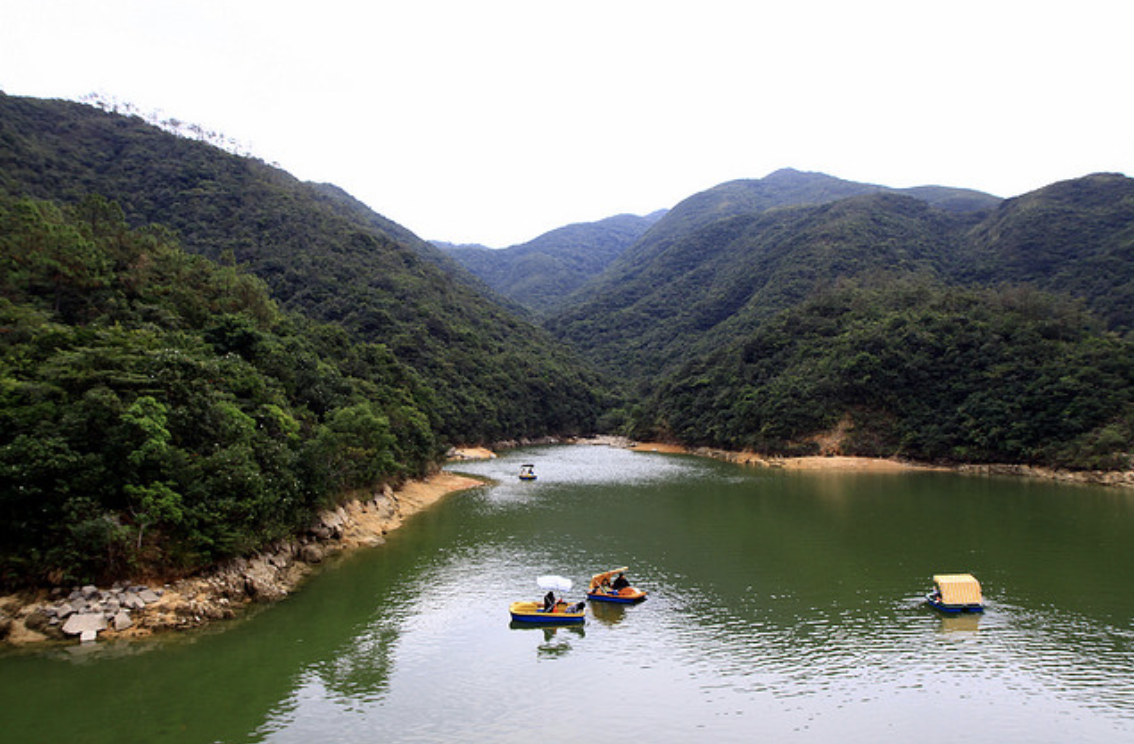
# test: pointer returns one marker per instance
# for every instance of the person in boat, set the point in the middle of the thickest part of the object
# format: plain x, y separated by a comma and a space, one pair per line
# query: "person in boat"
620, 583
549, 602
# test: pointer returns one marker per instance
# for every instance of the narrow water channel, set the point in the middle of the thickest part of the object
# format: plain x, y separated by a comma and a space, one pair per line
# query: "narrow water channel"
782, 605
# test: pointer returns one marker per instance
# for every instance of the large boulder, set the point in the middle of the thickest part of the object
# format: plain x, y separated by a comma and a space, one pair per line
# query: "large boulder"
262, 581
149, 596
87, 621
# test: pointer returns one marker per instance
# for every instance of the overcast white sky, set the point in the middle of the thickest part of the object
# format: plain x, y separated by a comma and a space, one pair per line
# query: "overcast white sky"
493, 121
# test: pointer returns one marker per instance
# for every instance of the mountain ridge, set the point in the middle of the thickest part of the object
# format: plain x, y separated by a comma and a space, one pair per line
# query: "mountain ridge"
494, 374
538, 274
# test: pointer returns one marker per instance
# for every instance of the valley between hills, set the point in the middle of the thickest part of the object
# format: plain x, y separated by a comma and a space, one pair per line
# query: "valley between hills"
201, 354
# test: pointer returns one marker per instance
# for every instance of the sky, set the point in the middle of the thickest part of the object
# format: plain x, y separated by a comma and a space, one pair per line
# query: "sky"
494, 121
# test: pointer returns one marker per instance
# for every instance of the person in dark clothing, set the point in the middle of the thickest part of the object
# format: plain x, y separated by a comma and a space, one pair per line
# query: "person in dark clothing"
549, 602
620, 583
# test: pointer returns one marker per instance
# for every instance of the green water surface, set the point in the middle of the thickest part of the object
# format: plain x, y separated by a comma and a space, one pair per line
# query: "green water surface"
783, 606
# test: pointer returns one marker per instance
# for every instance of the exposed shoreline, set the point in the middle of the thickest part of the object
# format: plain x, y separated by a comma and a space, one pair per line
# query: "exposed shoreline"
221, 592
844, 463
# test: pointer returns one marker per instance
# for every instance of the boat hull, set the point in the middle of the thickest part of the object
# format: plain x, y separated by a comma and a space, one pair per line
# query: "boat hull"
630, 596
530, 612
951, 609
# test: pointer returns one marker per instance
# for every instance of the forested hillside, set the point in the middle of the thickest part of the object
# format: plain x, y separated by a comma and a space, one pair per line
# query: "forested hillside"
1074, 236
197, 351
696, 290
719, 321
725, 260
159, 412
916, 369
321, 253
785, 188
541, 273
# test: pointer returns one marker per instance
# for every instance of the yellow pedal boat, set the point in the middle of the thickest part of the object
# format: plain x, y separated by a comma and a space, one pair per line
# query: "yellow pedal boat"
562, 614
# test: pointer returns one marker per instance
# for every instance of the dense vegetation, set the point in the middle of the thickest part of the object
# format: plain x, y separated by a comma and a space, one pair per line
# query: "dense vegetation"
724, 261
321, 253
1074, 236
158, 410
918, 370
198, 351
699, 289
543, 272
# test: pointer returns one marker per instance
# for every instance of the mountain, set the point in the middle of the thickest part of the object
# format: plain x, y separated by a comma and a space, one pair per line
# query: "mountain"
1075, 236
929, 323
723, 260
322, 253
539, 274
786, 188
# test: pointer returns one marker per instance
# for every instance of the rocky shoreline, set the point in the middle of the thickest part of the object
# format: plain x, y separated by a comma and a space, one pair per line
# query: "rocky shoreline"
135, 610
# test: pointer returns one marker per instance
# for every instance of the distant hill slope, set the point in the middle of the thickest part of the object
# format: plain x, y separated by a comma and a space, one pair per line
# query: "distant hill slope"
721, 280
785, 188
539, 274
723, 260
320, 252
1074, 236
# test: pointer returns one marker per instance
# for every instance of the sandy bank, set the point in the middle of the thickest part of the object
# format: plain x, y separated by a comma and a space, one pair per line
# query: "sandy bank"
831, 462
843, 463
470, 453
222, 591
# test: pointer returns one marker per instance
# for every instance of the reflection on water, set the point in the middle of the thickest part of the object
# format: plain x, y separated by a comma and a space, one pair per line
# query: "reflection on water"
609, 613
968, 622
782, 605
554, 641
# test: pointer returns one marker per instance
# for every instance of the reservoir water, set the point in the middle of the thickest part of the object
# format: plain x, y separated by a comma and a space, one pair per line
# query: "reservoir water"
784, 606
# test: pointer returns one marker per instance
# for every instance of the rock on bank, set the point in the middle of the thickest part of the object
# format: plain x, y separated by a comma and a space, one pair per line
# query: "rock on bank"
136, 610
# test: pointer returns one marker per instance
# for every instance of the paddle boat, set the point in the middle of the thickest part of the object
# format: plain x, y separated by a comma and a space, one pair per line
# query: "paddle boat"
527, 472
611, 586
560, 614
552, 610
954, 593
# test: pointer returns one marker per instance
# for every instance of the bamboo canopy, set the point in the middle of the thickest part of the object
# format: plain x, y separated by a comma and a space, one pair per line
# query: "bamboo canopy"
958, 589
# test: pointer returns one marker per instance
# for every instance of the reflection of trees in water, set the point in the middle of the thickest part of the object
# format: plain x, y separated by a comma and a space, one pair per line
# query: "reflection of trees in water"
219, 684
362, 669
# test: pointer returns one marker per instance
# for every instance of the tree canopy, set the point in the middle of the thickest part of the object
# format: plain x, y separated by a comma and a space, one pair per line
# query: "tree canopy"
914, 369
159, 411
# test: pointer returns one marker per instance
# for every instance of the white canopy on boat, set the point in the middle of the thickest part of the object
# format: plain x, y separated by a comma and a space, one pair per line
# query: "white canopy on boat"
557, 583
